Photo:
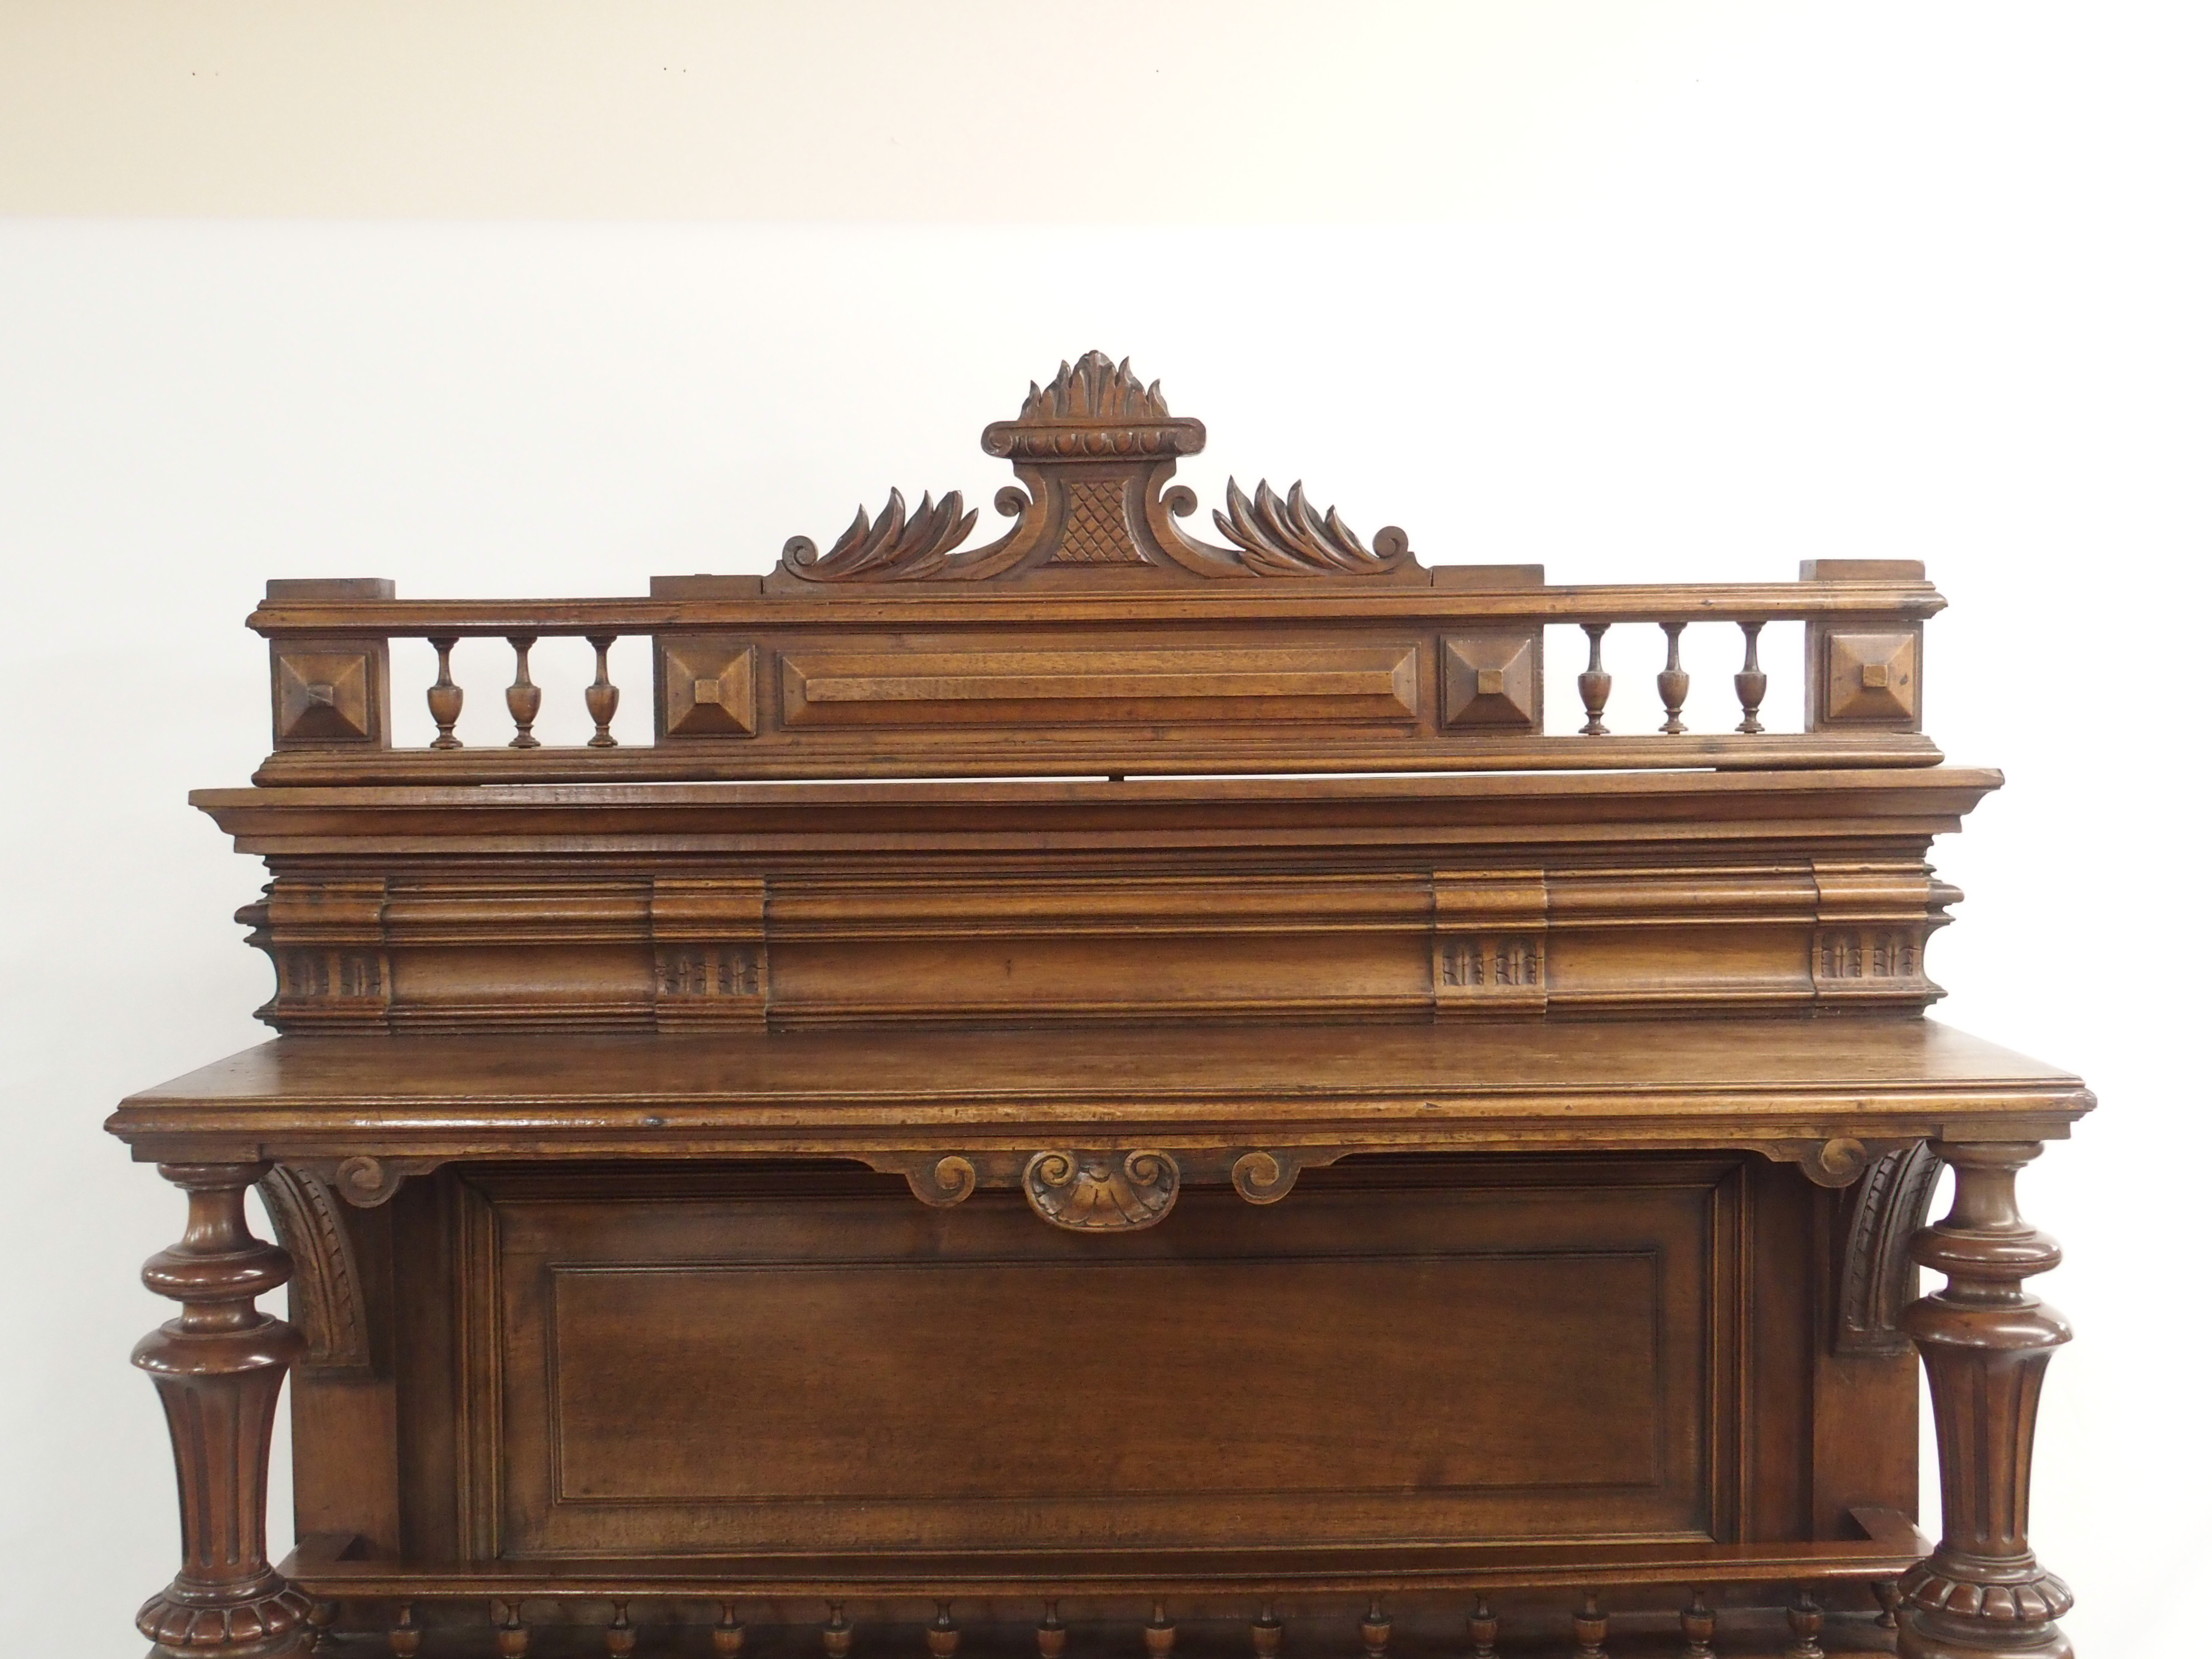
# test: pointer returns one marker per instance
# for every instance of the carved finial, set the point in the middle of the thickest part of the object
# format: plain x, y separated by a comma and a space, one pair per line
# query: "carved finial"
1051, 1634
1095, 388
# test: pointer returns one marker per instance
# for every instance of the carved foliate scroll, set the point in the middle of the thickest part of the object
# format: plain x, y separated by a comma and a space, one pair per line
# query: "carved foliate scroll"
1094, 450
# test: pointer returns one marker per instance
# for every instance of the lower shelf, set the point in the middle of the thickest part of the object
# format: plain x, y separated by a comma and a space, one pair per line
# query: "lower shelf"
1526, 1632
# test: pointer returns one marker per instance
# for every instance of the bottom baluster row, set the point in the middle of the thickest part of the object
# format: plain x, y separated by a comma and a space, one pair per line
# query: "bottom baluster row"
1699, 1629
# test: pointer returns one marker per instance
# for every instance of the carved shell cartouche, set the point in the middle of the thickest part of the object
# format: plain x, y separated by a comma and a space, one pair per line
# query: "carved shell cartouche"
1102, 1192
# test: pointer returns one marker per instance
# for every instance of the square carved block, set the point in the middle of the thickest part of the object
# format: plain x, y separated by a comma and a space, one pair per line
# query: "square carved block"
1873, 677
1492, 682
329, 695
706, 687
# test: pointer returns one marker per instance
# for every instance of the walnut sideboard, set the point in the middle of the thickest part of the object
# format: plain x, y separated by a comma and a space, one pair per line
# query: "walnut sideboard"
1105, 1089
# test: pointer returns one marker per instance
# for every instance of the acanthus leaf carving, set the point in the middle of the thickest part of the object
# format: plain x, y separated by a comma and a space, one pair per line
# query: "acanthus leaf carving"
1095, 450
1283, 535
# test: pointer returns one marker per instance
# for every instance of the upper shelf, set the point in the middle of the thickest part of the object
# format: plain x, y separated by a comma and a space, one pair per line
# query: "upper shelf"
1096, 636
1511, 1085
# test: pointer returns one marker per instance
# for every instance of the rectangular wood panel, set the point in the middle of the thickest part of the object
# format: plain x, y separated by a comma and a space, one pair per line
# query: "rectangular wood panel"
1470, 1351
1325, 684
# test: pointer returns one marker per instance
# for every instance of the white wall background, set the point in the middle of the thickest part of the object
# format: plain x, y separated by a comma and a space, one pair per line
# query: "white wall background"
1691, 291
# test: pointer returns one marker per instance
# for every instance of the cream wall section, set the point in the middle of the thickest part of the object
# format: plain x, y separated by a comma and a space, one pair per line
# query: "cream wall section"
1195, 110
1703, 290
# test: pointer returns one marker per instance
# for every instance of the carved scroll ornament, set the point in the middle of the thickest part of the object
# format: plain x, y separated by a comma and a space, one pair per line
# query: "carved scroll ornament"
1095, 450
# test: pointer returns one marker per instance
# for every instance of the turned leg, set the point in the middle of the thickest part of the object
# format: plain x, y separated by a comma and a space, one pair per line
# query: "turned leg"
218, 1366
1985, 1342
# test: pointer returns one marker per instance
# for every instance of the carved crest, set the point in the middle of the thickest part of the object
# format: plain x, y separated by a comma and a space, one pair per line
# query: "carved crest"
1094, 450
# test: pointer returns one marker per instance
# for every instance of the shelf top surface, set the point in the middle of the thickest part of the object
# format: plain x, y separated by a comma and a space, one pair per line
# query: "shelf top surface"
529, 1091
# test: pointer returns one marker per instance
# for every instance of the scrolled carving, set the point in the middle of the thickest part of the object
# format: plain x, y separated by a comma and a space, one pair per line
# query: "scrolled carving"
1835, 1163
1263, 1177
1102, 1192
1095, 450
945, 1182
366, 1183
1280, 536
1877, 1280
892, 548
325, 1287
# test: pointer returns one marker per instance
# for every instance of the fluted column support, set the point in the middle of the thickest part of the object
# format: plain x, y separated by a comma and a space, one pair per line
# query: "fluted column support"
1985, 1342
218, 1367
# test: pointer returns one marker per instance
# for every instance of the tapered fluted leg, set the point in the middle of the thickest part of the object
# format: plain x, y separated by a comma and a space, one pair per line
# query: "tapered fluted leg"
218, 1367
1986, 1343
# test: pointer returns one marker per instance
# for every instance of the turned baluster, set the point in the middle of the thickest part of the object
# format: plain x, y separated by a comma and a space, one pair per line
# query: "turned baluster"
1266, 1632
601, 696
1374, 1630
729, 1633
1051, 1634
622, 1635
1985, 1342
1482, 1630
1594, 683
1674, 681
522, 697
405, 1637
218, 1367
513, 1637
944, 1634
1697, 1628
1159, 1634
444, 696
837, 1634
1805, 1620
1885, 1591
1751, 680
320, 1618
1589, 1628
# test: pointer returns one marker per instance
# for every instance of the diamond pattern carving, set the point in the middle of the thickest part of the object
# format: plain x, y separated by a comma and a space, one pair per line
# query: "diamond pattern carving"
1097, 526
